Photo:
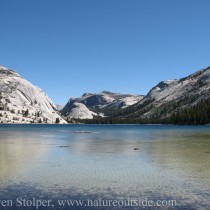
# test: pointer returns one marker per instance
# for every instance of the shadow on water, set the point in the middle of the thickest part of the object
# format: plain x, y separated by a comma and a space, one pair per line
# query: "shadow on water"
32, 195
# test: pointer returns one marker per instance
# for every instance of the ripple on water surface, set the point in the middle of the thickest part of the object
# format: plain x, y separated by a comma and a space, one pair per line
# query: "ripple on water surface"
157, 162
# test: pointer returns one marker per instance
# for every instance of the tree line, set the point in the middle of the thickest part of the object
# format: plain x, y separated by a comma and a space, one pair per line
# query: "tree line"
198, 114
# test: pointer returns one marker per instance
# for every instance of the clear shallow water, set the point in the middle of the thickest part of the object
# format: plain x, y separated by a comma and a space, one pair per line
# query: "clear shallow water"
99, 161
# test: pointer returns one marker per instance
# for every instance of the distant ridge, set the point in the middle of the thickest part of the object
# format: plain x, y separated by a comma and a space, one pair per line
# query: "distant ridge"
180, 98
90, 105
22, 102
170, 97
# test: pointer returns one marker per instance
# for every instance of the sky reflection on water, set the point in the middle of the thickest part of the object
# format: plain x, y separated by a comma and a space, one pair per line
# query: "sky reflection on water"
171, 162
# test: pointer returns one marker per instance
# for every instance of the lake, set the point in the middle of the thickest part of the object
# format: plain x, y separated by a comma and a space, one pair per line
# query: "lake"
104, 166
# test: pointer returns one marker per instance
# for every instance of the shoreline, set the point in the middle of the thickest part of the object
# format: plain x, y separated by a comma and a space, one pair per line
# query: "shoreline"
149, 124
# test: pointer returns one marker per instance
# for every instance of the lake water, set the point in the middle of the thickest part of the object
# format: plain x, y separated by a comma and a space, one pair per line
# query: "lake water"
104, 162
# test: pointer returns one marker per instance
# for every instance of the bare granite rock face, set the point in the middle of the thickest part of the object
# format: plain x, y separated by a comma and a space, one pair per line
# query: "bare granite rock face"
170, 96
98, 104
23, 102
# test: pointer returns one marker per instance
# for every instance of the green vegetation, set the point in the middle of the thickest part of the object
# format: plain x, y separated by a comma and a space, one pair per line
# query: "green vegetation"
25, 113
57, 120
198, 114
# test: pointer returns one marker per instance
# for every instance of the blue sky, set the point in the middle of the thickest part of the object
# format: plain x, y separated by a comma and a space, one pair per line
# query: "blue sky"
68, 47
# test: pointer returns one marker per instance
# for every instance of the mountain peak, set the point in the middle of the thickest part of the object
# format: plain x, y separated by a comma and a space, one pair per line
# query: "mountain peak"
108, 92
7, 71
99, 103
86, 94
3, 68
